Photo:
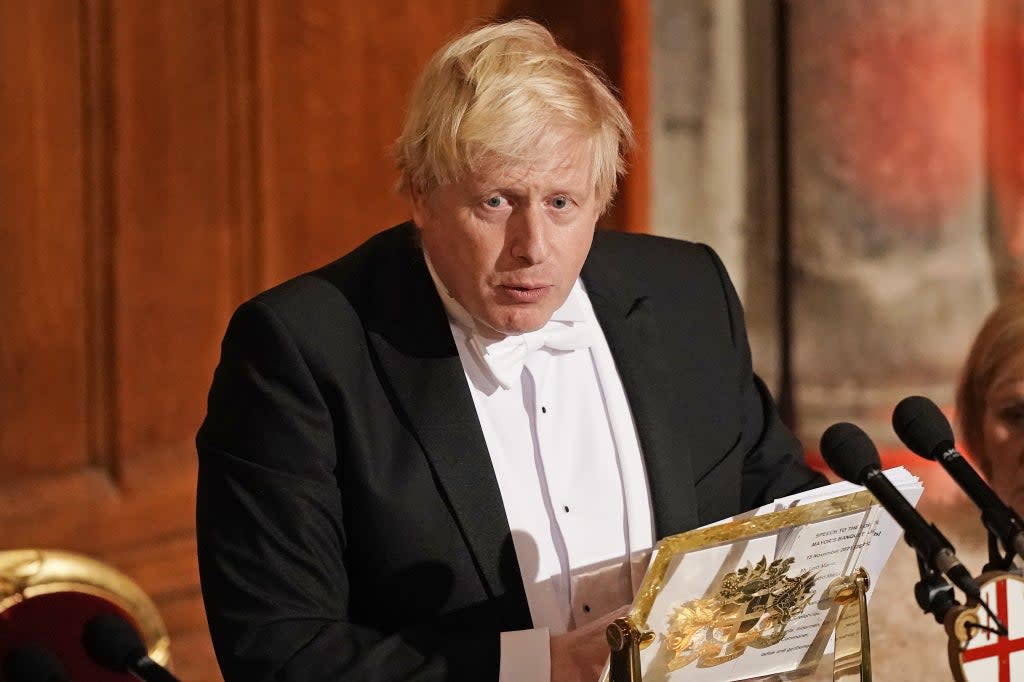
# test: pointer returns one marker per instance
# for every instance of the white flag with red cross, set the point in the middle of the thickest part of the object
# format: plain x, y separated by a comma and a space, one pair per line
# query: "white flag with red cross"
987, 656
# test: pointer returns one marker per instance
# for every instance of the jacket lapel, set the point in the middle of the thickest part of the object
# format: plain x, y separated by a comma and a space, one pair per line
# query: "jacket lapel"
628, 317
412, 339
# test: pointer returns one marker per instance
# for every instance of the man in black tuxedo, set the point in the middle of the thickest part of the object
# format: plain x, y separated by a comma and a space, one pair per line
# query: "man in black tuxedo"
446, 454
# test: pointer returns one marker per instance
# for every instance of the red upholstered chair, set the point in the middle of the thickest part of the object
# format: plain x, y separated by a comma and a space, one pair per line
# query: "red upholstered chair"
47, 597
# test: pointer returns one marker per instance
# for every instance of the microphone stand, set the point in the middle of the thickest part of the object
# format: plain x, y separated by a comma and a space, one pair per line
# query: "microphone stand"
996, 560
933, 592
935, 596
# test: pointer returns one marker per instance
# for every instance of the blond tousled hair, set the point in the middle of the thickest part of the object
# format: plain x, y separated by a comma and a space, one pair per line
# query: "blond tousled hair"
998, 349
486, 99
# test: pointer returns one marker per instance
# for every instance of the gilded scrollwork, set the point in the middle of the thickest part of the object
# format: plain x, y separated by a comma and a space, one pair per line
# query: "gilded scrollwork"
17, 570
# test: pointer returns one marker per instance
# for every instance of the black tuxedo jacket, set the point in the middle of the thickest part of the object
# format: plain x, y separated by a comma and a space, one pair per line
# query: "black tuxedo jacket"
349, 523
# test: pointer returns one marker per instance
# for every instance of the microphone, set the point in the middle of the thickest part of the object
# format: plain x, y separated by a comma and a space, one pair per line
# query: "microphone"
925, 430
851, 454
112, 642
33, 663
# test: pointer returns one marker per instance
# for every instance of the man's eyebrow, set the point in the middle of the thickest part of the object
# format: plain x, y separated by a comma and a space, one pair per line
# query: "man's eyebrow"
499, 189
481, 190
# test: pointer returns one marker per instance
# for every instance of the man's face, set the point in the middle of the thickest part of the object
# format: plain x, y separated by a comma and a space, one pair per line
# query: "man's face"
509, 246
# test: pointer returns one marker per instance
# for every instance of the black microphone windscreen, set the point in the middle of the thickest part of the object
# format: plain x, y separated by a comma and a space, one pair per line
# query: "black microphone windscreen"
849, 452
33, 663
112, 641
921, 426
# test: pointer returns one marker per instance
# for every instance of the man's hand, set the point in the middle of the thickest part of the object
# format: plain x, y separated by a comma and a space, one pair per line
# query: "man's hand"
580, 655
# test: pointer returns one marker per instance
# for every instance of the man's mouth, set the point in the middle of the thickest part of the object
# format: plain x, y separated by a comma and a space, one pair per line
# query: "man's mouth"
526, 293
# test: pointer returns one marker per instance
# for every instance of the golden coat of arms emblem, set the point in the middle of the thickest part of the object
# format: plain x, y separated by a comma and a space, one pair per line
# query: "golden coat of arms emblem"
752, 607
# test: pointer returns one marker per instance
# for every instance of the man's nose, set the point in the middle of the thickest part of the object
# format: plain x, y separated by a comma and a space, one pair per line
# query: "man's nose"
527, 235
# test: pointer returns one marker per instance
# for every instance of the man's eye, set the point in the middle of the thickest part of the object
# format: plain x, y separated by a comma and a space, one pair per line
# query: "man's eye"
495, 202
560, 202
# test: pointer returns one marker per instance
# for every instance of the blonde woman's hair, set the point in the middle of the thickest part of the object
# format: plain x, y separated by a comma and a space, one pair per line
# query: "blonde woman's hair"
486, 99
997, 349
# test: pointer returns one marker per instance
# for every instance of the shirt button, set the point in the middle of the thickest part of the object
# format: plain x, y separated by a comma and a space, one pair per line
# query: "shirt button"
544, 410
566, 508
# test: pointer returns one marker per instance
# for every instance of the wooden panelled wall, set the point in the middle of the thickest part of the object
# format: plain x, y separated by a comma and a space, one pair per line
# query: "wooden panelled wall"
159, 162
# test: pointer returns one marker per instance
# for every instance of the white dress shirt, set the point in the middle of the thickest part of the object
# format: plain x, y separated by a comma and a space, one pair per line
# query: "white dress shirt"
567, 460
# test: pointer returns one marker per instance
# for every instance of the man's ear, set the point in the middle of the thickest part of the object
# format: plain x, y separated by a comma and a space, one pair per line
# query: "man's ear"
419, 201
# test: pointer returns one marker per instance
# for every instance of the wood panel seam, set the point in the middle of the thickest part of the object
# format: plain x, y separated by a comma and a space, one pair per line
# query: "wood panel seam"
244, 161
99, 212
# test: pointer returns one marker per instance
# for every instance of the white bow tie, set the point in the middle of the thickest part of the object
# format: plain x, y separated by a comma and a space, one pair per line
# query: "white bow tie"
505, 357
